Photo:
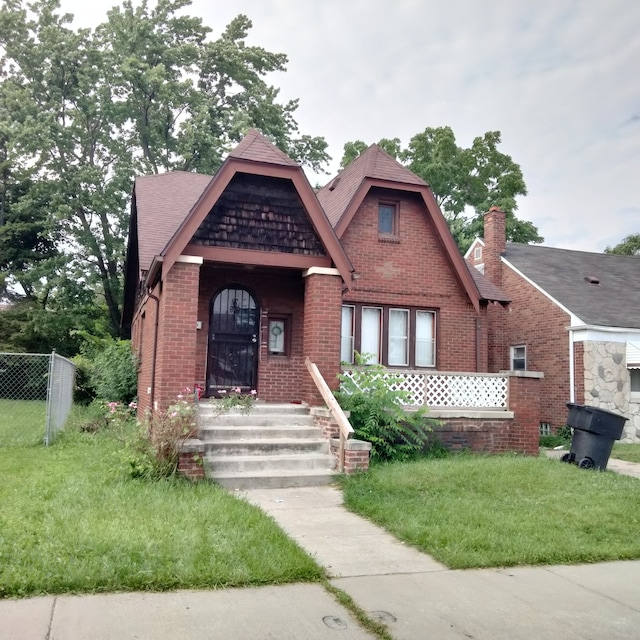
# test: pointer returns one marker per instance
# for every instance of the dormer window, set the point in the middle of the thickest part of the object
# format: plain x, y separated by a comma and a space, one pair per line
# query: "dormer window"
387, 219
477, 253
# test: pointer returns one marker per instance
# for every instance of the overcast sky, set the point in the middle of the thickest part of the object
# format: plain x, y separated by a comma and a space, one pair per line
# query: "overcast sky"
559, 78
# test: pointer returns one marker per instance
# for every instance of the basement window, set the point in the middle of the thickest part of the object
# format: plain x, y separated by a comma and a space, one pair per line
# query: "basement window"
519, 358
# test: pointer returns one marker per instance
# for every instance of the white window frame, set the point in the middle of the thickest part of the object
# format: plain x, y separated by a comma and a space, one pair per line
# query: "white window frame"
405, 337
514, 357
376, 356
432, 339
347, 335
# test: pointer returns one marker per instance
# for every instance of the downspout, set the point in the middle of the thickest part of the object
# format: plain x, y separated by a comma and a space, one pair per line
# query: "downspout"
572, 373
155, 350
478, 337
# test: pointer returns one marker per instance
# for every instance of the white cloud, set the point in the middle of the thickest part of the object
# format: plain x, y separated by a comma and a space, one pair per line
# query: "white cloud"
558, 78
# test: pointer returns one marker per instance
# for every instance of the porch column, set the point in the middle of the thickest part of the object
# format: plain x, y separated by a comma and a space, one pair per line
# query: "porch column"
322, 324
176, 351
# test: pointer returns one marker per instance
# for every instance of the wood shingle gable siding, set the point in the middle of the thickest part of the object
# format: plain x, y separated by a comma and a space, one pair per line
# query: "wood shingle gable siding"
260, 213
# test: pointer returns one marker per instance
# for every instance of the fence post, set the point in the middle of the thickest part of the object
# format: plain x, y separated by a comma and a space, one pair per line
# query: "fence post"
47, 427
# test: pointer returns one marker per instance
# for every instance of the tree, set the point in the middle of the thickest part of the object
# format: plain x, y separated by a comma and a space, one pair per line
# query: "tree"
83, 112
629, 246
462, 179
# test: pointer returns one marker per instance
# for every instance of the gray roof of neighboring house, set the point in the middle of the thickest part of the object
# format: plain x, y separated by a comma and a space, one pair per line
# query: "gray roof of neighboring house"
565, 275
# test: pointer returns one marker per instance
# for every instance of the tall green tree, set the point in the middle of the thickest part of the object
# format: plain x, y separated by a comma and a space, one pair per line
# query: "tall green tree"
628, 246
82, 112
466, 181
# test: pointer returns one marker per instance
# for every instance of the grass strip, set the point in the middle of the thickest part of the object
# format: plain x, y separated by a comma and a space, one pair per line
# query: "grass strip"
22, 422
629, 452
373, 626
72, 522
475, 511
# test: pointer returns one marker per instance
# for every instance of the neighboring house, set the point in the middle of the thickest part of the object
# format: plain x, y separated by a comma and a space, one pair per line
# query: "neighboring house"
574, 315
232, 280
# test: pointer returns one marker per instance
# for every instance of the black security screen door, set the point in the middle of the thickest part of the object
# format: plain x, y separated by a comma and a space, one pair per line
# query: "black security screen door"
233, 341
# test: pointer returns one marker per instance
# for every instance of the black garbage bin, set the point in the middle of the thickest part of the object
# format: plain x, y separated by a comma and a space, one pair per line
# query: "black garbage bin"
594, 431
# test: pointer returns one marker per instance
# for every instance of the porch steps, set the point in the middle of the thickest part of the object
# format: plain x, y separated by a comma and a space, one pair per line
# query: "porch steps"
274, 446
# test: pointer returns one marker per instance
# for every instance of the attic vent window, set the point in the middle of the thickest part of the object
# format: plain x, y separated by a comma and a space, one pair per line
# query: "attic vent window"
592, 279
334, 184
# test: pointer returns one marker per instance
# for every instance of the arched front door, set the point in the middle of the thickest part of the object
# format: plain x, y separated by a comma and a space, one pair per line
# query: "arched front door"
233, 341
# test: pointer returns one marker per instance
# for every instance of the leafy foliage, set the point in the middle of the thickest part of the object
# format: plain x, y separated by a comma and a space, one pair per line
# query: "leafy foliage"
629, 246
82, 112
114, 373
475, 178
378, 415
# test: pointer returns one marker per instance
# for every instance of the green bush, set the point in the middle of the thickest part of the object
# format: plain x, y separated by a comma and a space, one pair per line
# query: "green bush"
114, 373
378, 415
561, 437
84, 391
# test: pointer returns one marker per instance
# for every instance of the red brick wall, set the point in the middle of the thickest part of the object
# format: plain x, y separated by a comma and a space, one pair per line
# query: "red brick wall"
539, 324
279, 292
414, 271
176, 333
143, 329
322, 325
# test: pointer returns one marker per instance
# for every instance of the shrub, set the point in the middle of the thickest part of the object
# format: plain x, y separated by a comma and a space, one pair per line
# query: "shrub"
114, 373
154, 450
84, 391
561, 437
378, 415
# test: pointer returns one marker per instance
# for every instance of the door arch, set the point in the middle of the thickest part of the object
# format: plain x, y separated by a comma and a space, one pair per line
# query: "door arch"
234, 328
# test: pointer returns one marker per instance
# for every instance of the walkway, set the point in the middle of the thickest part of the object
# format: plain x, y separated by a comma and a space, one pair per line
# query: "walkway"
410, 592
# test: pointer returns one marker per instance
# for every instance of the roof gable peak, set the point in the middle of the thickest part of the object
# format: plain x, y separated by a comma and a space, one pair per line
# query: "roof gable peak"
258, 148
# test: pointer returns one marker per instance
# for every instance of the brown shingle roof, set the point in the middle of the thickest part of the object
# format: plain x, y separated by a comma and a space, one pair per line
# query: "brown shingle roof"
163, 202
373, 163
488, 290
256, 147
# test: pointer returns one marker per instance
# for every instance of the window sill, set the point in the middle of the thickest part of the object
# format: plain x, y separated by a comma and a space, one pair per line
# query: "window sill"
389, 239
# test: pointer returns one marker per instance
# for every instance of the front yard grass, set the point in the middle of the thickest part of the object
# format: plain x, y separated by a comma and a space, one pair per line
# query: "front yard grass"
476, 511
71, 521
22, 422
629, 452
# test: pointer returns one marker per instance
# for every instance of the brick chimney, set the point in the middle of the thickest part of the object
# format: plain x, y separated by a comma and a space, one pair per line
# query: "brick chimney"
495, 233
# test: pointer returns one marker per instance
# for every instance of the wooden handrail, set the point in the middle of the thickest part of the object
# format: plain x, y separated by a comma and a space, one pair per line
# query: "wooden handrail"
346, 430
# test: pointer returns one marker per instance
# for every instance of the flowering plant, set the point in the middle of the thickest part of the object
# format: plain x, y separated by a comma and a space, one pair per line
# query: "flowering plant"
235, 399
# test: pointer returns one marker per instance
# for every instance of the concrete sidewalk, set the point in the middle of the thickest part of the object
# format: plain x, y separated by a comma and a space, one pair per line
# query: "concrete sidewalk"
419, 598
410, 592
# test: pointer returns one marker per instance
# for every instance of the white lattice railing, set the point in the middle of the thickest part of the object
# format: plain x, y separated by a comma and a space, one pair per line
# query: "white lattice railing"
448, 390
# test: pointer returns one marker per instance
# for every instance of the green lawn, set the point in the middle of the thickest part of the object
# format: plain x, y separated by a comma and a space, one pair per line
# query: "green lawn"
71, 521
22, 422
472, 511
630, 452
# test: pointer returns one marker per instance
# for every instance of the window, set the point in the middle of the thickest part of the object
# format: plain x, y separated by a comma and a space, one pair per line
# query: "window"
545, 429
388, 219
371, 333
477, 253
347, 334
634, 375
398, 337
519, 358
278, 342
393, 337
425, 339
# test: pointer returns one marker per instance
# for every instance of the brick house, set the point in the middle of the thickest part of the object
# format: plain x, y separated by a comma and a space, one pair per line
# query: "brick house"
234, 280
574, 315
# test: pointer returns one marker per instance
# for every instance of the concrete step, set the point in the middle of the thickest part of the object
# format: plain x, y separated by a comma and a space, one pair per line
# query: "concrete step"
232, 432
254, 419
272, 462
210, 407
265, 446
268, 480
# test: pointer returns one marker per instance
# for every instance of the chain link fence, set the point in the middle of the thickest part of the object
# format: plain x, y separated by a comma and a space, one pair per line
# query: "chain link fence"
36, 395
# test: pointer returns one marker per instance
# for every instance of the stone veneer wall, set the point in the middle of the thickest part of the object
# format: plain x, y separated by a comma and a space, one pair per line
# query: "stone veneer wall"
607, 384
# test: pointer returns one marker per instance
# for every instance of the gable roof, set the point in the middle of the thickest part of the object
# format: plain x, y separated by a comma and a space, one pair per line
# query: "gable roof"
564, 275
258, 156
374, 163
162, 202
342, 197
254, 146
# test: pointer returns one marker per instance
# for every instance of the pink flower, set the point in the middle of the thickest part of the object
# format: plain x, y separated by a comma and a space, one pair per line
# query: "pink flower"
253, 392
237, 390
173, 414
133, 405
